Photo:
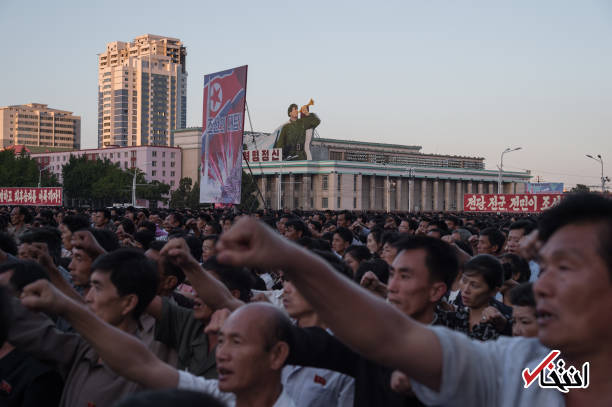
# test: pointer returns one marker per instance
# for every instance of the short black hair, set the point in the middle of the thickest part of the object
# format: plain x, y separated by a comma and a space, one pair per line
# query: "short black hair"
518, 265
5, 314
128, 226
290, 108
527, 226
298, 225
178, 218
316, 225
49, 235
489, 267
377, 233
157, 245
495, 236
440, 257
216, 227
8, 244
336, 263
581, 208
76, 222
377, 266
390, 237
195, 246
169, 397
522, 295
358, 252
106, 238
105, 212
214, 238
234, 278
131, 272
147, 224
345, 234
171, 269
144, 237
24, 272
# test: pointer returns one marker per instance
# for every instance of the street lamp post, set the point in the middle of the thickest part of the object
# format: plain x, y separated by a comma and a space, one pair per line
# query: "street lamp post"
603, 179
501, 167
134, 183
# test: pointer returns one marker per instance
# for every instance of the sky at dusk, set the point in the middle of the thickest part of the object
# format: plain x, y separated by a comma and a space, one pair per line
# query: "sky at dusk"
455, 77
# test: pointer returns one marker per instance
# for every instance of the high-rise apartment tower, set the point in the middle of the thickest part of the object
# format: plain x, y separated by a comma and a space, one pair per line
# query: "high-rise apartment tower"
142, 92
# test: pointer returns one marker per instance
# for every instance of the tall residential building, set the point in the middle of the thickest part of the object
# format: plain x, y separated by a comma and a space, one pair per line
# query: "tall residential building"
35, 124
142, 91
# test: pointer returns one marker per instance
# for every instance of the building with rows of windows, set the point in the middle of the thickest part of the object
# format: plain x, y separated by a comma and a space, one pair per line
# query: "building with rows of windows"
142, 93
357, 175
37, 125
158, 163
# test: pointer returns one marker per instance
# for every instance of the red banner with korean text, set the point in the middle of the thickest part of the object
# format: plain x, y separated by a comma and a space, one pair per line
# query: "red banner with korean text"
510, 203
31, 196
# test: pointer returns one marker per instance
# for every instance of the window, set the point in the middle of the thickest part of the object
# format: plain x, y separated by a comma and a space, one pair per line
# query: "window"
125, 154
338, 203
172, 173
172, 163
153, 173
171, 183
172, 156
324, 203
325, 184
339, 181
355, 203
354, 184
153, 163
163, 163
154, 154
163, 154
163, 173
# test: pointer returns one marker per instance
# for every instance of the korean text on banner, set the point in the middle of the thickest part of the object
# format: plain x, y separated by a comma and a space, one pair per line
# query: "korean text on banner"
31, 196
510, 203
223, 124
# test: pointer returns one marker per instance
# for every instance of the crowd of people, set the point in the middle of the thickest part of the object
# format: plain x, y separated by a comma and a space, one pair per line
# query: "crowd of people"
137, 307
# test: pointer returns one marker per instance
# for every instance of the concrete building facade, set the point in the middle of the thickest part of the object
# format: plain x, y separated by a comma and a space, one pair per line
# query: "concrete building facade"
142, 94
37, 125
357, 175
159, 163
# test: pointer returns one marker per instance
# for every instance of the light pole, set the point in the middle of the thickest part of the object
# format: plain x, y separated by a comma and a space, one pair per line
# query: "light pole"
501, 167
134, 183
603, 179
40, 174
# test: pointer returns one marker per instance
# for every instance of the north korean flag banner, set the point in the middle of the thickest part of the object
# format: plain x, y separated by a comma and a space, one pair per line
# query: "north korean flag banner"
222, 124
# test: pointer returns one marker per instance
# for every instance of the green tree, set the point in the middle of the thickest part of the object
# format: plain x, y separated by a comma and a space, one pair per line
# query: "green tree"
580, 188
248, 194
179, 198
23, 171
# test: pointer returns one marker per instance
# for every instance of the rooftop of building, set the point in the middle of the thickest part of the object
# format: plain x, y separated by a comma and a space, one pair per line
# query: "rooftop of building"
90, 150
39, 106
366, 143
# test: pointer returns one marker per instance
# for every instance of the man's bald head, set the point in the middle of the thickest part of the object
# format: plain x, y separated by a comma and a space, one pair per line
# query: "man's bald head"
263, 319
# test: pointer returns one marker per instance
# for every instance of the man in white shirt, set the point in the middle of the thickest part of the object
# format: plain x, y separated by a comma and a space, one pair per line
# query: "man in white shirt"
251, 351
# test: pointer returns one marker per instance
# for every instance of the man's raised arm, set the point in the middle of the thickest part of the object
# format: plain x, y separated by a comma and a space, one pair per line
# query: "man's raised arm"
123, 353
382, 334
212, 291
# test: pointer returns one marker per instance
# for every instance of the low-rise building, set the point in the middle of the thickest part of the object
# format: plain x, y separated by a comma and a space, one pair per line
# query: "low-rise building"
159, 163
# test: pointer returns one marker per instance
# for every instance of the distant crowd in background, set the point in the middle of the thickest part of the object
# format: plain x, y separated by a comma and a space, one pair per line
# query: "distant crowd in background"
303, 308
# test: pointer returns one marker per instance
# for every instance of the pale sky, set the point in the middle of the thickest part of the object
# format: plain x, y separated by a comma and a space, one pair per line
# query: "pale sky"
455, 77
